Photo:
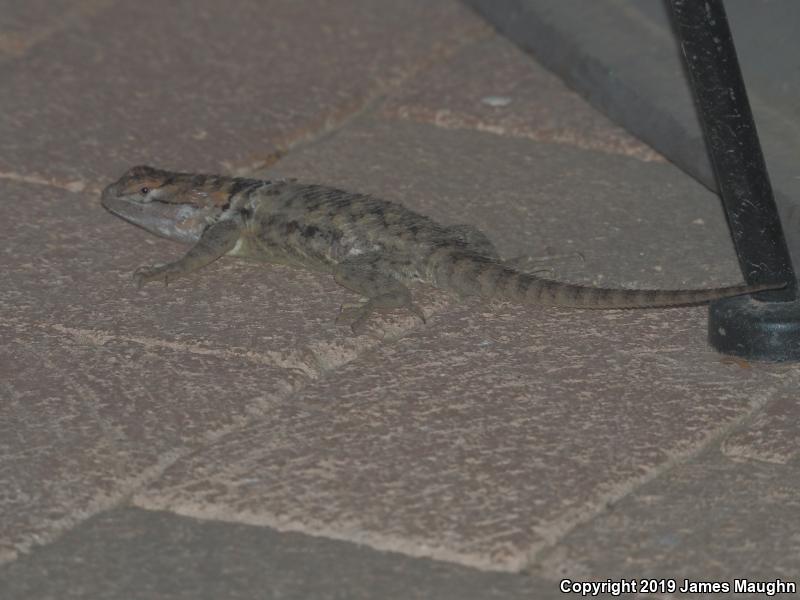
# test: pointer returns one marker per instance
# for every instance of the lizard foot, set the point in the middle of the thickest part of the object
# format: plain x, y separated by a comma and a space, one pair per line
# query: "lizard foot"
370, 275
357, 315
147, 273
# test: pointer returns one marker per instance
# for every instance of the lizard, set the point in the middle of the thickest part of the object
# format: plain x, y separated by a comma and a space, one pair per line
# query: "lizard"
373, 247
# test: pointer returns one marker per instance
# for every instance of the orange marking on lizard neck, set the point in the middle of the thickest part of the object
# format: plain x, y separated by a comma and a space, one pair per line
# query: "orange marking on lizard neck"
219, 197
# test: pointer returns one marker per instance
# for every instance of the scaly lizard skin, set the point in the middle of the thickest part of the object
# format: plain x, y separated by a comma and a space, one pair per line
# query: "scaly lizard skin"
371, 246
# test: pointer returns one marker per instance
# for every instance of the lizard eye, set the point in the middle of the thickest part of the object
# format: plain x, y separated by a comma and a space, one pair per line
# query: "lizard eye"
144, 191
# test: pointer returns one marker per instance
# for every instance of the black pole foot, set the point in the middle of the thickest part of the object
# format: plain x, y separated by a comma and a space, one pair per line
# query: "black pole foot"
766, 331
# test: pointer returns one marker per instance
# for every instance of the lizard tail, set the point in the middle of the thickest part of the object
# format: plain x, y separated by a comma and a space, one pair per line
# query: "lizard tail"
471, 274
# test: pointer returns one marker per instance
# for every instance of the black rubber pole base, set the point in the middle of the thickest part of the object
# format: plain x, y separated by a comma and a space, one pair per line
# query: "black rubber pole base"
768, 331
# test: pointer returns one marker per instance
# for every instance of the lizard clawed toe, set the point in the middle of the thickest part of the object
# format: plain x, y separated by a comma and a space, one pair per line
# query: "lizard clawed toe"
349, 312
357, 315
147, 273
414, 308
354, 315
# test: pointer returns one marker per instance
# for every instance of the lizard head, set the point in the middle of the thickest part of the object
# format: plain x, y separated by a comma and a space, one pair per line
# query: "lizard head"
172, 205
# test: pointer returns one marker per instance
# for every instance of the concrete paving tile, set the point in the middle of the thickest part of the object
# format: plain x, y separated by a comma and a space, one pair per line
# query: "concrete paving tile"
481, 439
493, 86
712, 519
625, 59
130, 554
204, 85
771, 436
23, 25
84, 420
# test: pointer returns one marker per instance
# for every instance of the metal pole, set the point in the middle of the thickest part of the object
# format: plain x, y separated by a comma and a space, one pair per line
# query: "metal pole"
732, 143
739, 326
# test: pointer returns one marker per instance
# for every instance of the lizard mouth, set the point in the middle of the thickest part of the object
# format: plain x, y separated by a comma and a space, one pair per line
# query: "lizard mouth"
172, 221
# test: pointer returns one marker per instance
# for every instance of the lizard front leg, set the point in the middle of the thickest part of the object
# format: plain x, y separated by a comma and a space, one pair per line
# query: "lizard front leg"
217, 240
373, 276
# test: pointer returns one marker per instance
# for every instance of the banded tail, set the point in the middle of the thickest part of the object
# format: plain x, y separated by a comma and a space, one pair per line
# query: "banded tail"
472, 274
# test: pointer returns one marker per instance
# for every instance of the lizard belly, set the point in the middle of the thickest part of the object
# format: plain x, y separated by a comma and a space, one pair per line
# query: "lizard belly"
261, 248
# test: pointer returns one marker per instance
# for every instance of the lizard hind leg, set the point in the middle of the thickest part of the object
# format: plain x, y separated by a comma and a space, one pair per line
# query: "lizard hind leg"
376, 278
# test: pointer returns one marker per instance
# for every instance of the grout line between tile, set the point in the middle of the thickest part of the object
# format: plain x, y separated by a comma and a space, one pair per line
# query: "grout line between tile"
99, 337
135, 484
569, 522
340, 117
75, 186
564, 136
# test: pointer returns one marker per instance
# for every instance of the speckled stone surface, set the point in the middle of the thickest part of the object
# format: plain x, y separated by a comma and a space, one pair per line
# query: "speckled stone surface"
494, 436
493, 87
23, 25
711, 519
132, 554
87, 418
771, 436
163, 83
481, 439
